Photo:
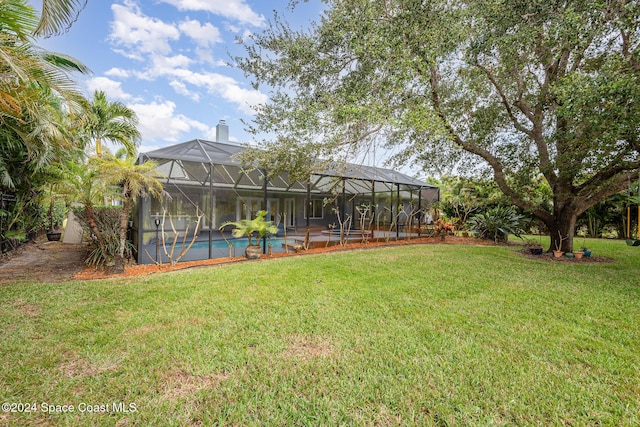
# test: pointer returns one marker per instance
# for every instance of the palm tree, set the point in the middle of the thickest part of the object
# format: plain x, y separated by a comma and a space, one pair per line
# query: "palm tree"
31, 149
37, 99
134, 179
81, 183
36, 92
110, 121
25, 68
58, 15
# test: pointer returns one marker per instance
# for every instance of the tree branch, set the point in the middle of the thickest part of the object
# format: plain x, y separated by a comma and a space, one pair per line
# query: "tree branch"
615, 167
612, 187
471, 147
627, 51
504, 100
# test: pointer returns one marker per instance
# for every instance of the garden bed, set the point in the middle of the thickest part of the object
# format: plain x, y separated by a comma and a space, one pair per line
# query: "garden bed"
546, 257
136, 270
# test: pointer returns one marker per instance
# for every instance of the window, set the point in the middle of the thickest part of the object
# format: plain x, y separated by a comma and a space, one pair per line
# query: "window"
317, 209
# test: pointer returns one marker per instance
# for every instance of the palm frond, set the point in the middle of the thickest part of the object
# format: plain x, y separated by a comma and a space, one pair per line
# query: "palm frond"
17, 19
58, 16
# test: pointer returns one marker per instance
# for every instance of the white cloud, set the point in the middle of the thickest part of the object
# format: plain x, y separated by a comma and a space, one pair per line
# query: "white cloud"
233, 9
158, 121
246, 99
166, 65
129, 54
214, 83
225, 87
181, 89
204, 35
111, 88
117, 72
168, 61
138, 33
205, 55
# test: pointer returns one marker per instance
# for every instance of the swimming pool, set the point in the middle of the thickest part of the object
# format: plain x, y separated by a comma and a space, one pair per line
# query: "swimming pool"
239, 243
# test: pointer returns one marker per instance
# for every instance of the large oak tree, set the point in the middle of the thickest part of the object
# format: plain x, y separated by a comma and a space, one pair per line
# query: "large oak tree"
524, 89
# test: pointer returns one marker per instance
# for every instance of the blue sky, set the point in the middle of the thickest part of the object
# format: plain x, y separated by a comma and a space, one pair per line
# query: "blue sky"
167, 60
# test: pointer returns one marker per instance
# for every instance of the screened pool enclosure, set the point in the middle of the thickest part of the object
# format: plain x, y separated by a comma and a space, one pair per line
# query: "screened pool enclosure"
204, 178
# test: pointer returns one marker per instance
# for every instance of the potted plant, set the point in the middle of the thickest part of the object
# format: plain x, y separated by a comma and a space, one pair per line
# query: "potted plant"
248, 228
52, 234
586, 252
558, 253
534, 248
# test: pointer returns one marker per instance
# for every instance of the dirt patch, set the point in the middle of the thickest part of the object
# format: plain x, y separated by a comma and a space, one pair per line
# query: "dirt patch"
44, 262
304, 348
30, 310
75, 366
180, 384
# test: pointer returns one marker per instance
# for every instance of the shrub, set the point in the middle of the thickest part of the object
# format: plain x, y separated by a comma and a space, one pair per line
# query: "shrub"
442, 227
496, 224
108, 222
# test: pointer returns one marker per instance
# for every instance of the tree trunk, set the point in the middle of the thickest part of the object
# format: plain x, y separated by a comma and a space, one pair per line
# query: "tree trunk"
118, 266
91, 220
51, 213
124, 225
562, 229
124, 218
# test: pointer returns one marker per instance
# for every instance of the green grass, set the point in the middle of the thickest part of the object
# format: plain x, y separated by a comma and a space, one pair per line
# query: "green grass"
415, 335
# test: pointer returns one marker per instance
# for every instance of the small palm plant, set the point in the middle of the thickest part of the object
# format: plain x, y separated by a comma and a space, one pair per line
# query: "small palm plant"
250, 227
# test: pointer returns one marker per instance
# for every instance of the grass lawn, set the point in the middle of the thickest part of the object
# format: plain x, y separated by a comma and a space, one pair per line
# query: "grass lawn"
411, 335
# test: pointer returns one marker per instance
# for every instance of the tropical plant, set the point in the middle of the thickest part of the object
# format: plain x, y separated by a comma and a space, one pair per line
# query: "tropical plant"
58, 15
27, 70
462, 197
106, 219
496, 224
133, 180
37, 98
442, 227
83, 185
105, 120
249, 228
55, 176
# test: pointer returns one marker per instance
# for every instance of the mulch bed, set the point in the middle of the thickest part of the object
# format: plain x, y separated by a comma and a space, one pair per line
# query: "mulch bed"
48, 262
546, 257
137, 270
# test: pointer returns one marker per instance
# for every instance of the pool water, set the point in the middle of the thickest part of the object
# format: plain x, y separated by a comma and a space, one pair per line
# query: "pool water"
238, 243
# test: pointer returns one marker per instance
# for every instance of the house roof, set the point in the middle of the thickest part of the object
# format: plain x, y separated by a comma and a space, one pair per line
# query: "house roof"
194, 161
199, 150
